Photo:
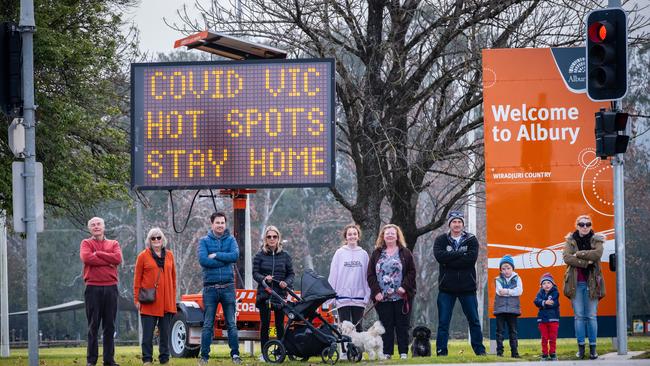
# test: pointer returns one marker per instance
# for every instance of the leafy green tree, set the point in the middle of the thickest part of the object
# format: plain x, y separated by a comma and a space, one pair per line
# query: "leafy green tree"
81, 58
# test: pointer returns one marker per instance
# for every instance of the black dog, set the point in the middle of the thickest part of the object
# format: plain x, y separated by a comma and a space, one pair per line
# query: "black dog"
421, 346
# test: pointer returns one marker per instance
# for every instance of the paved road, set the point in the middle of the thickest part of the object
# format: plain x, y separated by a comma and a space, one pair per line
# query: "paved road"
607, 359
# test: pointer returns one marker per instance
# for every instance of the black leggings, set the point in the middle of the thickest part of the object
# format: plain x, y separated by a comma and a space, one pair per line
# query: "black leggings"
396, 323
352, 314
265, 320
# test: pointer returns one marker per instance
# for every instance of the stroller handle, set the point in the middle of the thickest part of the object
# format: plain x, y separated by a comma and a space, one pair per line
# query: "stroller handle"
269, 290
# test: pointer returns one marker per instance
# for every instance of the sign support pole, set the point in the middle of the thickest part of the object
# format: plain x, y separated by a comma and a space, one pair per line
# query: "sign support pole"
239, 225
240, 228
139, 246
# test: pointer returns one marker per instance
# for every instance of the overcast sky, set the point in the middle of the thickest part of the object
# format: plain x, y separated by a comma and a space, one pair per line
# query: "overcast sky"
156, 36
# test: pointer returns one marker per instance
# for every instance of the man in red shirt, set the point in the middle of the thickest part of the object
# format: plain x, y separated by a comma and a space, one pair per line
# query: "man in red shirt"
100, 257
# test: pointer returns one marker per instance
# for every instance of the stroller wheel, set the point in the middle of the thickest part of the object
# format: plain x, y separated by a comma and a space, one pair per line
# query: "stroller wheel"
354, 353
296, 358
274, 351
330, 355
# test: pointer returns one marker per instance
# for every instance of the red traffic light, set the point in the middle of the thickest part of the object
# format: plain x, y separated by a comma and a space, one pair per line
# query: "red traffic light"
599, 31
606, 54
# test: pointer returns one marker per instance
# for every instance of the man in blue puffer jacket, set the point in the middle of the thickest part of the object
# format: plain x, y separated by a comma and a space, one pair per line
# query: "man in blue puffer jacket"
218, 251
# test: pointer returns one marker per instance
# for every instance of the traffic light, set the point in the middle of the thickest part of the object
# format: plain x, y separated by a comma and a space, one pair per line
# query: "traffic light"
606, 54
11, 95
610, 133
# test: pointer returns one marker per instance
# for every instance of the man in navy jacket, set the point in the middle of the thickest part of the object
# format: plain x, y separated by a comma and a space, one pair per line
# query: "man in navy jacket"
218, 251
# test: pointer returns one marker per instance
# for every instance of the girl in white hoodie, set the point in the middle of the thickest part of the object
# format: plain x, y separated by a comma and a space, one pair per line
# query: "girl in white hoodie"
348, 277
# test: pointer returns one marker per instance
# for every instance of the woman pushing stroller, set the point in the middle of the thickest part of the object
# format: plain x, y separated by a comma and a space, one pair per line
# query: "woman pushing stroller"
273, 266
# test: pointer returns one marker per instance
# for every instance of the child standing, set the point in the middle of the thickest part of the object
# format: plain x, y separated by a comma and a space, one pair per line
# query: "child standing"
548, 316
506, 304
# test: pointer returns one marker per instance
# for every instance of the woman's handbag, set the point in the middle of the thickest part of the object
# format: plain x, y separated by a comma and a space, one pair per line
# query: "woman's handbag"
148, 295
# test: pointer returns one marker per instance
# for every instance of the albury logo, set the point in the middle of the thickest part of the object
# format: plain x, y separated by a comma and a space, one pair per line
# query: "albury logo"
577, 70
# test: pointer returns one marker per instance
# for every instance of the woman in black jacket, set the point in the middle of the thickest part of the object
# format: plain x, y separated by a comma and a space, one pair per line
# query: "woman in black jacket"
272, 265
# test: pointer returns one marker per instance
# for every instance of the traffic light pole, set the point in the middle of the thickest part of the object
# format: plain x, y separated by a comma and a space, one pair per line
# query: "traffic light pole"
619, 226
619, 223
27, 28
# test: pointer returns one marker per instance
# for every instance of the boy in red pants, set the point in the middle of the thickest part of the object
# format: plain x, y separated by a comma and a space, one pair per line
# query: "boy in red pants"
548, 316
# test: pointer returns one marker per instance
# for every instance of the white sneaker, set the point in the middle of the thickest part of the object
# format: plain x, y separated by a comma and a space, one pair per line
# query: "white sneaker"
261, 359
403, 356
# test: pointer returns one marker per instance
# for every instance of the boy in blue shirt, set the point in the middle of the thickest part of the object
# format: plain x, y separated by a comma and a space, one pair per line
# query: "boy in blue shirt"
548, 316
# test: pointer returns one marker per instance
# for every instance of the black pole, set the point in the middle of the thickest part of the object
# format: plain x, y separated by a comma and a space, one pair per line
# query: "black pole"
239, 232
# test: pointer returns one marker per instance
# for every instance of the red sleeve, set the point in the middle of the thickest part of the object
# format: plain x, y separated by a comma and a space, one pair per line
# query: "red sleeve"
114, 256
174, 276
89, 256
137, 277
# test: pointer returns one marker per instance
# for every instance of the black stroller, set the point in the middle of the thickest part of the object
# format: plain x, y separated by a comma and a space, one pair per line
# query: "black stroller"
302, 339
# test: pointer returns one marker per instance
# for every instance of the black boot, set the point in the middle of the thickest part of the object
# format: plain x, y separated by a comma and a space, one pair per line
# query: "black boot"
514, 353
581, 351
592, 352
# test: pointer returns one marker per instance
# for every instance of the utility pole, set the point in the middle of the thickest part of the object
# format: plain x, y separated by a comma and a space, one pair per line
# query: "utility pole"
4, 288
139, 246
27, 27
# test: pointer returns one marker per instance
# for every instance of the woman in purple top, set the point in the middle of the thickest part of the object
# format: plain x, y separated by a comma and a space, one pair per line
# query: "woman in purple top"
348, 277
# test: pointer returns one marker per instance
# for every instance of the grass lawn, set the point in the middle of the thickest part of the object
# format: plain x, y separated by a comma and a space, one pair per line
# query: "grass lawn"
459, 352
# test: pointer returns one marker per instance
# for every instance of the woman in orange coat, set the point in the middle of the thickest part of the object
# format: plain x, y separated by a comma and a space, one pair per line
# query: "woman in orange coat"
155, 268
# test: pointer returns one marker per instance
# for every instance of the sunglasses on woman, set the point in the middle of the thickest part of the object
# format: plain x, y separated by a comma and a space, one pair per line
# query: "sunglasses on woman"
156, 238
271, 236
584, 224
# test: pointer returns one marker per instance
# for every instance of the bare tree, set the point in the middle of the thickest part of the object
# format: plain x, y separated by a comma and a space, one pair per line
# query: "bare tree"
408, 85
271, 201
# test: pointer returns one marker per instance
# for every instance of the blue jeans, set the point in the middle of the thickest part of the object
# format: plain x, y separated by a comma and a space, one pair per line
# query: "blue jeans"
585, 310
211, 298
468, 302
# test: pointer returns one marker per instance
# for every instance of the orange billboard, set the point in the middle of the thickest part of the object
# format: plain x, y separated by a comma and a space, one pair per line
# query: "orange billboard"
541, 172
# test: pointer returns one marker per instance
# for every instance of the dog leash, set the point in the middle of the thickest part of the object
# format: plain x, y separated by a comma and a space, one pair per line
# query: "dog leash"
406, 304
365, 313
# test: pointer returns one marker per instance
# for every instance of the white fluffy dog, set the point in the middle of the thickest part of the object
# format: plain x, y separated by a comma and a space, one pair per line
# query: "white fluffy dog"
369, 341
